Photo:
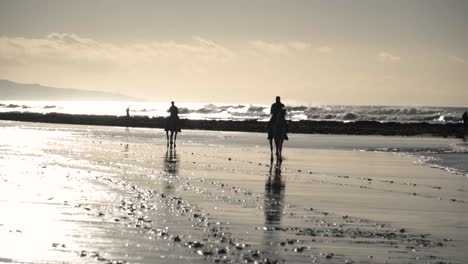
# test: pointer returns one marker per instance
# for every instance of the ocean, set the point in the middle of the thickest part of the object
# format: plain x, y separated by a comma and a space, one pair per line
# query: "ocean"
217, 111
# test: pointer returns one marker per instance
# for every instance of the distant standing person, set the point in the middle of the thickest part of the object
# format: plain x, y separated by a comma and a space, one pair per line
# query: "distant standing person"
465, 121
172, 124
465, 118
275, 110
128, 111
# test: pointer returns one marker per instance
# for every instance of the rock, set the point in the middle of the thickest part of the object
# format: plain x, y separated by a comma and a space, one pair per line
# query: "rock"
204, 253
58, 245
300, 249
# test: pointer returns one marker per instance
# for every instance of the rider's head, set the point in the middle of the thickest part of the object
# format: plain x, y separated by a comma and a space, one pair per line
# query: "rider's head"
172, 102
278, 99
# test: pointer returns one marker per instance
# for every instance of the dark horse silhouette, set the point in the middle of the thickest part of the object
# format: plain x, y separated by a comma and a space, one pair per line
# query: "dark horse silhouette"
279, 134
172, 125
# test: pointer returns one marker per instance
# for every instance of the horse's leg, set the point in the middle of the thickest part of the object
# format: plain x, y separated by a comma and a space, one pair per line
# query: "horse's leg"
175, 139
271, 166
172, 138
271, 148
280, 147
167, 138
276, 148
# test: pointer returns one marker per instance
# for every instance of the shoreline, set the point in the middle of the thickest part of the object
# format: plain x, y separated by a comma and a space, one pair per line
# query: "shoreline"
302, 127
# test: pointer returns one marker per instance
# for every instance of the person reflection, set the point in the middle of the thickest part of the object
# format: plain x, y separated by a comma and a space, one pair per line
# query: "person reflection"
126, 150
126, 136
273, 208
171, 170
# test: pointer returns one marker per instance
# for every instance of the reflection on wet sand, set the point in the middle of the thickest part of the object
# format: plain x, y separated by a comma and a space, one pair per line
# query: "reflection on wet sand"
126, 150
126, 145
273, 208
274, 196
171, 170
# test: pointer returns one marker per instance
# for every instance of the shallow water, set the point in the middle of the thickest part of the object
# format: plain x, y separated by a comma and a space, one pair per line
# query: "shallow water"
78, 194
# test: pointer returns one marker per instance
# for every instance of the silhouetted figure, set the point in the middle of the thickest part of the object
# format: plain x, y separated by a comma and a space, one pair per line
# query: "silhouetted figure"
465, 118
172, 125
127, 120
277, 127
274, 111
465, 123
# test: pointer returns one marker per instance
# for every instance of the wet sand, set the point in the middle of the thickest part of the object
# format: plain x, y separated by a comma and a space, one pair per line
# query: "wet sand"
81, 194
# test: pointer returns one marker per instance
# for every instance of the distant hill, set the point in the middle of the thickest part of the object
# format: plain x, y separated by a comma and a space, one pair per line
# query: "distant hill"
29, 92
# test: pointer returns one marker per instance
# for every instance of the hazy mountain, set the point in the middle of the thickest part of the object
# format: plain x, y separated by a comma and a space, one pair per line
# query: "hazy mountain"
17, 91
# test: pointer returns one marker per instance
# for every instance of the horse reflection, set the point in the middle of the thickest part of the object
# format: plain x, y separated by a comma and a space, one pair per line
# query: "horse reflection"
274, 195
273, 208
171, 170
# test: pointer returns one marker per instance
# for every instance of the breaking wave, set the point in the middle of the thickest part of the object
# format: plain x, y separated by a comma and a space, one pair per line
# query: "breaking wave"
243, 111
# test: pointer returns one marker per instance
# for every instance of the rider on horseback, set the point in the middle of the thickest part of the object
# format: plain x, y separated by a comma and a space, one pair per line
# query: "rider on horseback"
172, 122
276, 109
172, 125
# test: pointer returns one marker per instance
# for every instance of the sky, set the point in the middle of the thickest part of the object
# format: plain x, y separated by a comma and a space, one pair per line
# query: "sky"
312, 52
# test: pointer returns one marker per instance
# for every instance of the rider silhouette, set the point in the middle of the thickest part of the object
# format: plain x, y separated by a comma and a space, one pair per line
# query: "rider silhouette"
275, 111
173, 119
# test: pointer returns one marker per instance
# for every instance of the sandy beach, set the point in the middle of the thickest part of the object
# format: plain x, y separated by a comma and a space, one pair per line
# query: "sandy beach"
94, 194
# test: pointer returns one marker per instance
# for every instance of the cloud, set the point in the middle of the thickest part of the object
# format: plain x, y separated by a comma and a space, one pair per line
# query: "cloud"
386, 57
270, 47
158, 67
299, 45
69, 39
70, 50
325, 49
279, 48
457, 59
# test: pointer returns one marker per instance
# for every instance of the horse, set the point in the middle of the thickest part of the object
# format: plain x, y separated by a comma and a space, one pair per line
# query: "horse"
278, 134
172, 125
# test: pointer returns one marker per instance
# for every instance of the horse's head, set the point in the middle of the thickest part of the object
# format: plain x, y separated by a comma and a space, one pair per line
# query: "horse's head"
281, 115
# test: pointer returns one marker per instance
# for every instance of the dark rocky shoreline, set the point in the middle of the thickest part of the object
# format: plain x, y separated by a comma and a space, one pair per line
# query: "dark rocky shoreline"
305, 127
